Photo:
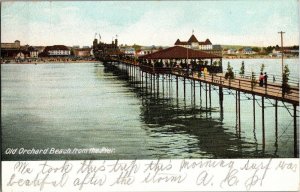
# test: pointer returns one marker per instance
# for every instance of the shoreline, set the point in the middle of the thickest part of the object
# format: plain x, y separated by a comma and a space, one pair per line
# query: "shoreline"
261, 58
51, 62
95, 61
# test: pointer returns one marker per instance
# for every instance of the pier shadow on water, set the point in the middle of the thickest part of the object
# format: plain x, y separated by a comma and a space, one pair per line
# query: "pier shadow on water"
169, 116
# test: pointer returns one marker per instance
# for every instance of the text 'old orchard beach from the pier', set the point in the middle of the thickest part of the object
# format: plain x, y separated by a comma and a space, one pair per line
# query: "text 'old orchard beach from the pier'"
149, 80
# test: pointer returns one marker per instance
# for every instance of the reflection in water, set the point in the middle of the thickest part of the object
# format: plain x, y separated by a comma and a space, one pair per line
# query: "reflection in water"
166, 116
92, 106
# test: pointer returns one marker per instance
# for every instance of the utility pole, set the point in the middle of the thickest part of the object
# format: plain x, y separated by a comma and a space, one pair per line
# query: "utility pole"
281, 34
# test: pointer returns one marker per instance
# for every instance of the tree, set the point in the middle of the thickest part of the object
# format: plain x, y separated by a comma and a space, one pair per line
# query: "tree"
253, 80
229, 74
269, 49
136, 47
285, 79
242, 70
262, 67
215, 63
256, 49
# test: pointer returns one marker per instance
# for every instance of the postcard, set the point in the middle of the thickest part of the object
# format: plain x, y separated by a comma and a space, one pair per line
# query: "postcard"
150, 95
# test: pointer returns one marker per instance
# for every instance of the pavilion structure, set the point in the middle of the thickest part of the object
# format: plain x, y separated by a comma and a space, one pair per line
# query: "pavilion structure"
178, 57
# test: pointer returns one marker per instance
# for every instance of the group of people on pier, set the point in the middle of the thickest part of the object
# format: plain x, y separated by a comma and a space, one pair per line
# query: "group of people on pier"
263, 79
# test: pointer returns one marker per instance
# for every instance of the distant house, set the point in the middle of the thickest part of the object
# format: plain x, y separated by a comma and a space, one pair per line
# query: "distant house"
127, 50
294, 50
55, 50
140, 53
33, 52
82, 52
248, 51
231, 51
14, 54
22, 55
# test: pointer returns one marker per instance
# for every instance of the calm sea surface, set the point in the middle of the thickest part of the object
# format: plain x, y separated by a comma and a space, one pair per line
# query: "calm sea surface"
87, 106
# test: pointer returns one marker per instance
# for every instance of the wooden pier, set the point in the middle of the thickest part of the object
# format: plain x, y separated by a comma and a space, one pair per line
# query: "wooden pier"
151, 67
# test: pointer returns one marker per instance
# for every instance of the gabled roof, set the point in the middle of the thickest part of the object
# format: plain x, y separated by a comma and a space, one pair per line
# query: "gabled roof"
207, 41
178, 52
177, 42
193, 39
31, 48
55, 47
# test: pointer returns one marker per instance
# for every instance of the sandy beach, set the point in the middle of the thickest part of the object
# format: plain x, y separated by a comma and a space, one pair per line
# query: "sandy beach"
52, 62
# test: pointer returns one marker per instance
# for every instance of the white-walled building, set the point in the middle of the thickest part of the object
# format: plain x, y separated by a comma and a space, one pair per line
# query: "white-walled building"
56, 50
193, 43
33, 52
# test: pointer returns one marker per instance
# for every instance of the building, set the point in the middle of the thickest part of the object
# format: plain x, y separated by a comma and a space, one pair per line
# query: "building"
33, 52
14, 54
248, 51
104, 51
14, 51
193, 43
292, 51
56, 51
82, 52
15, 45
128, 50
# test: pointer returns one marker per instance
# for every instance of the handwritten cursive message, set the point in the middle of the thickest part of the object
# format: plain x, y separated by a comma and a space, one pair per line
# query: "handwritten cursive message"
145, 175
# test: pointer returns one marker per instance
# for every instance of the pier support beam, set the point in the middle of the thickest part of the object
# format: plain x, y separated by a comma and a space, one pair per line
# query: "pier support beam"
176, 86
142, 79
206, 96
146, 79
276, 121
253, 96
150, 83
163, 84
263, 120
239, 114
184, 87
194, 89
209, 88
157, 83
296, 152
236, 112
221, 101
200, 94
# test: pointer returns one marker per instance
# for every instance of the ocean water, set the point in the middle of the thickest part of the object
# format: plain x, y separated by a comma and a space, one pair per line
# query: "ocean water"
87, 105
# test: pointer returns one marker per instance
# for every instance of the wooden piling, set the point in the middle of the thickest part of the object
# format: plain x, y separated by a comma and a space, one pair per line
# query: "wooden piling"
163, 86
221, 98
184, 87
200, 94
276, 119
194, 86
209, 87
206, 96
296, 152
263, 120
142, 78
176, 86
146, 79
253, 96
157, 83
150, 83
239, 108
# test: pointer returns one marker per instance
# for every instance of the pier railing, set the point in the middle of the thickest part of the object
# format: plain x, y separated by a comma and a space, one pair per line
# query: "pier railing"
294, 81
271, 90
244, 83
155, 70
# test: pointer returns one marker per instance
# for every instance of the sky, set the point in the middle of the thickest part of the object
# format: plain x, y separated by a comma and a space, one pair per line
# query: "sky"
243, 22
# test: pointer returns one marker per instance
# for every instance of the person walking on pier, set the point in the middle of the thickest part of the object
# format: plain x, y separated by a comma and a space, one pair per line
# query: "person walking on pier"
266, 79
261, 79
